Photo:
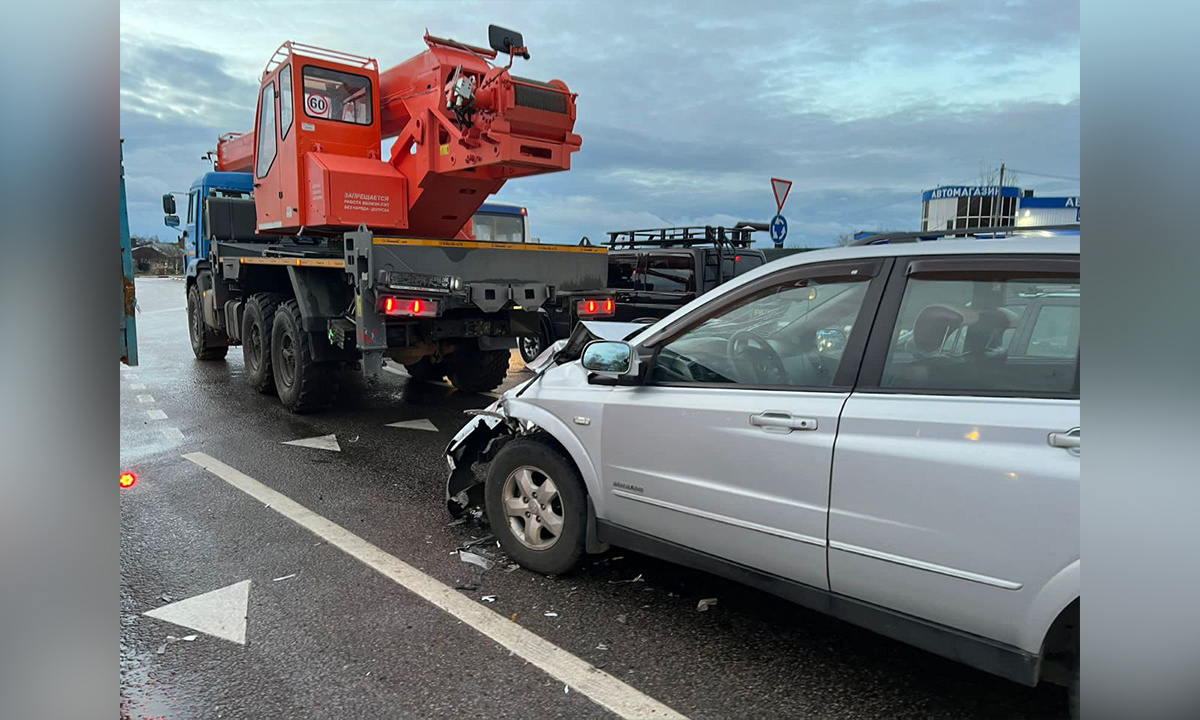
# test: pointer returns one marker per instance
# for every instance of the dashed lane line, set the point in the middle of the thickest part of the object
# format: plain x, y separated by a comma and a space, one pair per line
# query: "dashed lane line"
577, 674
156, 414
173, 434
145, 398
137, 386
164, 310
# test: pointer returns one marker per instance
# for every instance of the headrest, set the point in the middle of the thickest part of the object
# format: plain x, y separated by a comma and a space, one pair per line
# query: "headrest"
932, 326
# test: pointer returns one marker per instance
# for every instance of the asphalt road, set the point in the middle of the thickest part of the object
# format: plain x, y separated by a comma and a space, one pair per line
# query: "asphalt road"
328, 636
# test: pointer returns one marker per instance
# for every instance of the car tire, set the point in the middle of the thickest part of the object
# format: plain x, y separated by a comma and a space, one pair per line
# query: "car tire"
545, 464
206, 344
303, 384
426, 370
258, 319
475, 370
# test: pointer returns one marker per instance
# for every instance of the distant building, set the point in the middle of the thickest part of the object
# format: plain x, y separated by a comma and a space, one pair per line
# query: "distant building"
158, 259
952, 207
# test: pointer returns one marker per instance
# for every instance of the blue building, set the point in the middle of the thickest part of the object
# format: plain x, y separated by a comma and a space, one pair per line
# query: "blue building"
953, 207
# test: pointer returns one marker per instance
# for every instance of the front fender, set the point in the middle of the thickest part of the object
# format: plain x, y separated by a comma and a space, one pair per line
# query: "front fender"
520, 410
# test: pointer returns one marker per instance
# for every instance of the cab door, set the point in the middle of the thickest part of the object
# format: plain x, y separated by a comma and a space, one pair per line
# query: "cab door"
726, 448
267, 181
955, 491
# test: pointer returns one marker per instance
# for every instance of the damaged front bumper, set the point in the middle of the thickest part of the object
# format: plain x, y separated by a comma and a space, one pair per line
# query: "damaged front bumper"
475, 442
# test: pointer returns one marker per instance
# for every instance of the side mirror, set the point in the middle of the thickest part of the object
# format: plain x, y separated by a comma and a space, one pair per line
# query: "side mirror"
507, 41
610, 358
169, 204
171, 221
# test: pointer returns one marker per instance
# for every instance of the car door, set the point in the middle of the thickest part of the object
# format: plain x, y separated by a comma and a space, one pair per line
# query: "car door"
726, 447
955, 491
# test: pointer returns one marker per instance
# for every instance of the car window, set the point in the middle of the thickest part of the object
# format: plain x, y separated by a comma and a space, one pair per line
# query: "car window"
669, 273
622, 272
958, 335
792, 334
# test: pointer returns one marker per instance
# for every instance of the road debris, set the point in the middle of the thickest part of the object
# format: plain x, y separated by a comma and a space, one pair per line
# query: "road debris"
550, 614
459, 521
488, 598
171, 639
636, 579
621, 619
477, 541
602, 646
705, 604
512, 618
481, 561
566, 689
511, 566
285, 577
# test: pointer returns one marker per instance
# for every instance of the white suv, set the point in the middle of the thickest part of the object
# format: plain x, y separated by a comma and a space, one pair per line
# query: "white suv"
888, 434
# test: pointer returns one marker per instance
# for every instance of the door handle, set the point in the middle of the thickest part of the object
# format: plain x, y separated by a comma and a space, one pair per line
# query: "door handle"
1068, 440
774, 421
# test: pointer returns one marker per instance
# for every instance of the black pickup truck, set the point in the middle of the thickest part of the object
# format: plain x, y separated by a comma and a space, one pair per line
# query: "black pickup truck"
651, 273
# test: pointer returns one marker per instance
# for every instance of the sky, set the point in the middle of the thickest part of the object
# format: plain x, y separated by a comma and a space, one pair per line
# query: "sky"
686, 109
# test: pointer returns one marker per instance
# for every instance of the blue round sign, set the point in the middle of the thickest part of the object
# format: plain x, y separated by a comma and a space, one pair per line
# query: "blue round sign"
778, 229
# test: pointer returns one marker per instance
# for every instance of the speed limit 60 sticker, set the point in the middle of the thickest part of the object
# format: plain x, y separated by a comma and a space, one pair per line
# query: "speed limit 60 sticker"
317, 105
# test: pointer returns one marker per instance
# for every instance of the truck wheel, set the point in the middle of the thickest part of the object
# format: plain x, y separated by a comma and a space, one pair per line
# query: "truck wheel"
303, 384
426, 370
537, 506
475, 370
205, 345
532, 345
257, 319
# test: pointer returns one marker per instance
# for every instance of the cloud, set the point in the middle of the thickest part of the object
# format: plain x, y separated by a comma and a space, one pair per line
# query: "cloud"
686, 108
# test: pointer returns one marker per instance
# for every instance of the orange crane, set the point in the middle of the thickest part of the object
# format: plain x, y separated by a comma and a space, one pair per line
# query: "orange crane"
463, 127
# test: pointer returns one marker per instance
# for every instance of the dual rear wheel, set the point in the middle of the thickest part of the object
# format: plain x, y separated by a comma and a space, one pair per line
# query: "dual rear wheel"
279, 358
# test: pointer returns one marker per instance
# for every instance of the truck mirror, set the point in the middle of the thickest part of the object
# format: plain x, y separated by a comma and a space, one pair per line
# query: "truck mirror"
507, 41
169, 205
171, 221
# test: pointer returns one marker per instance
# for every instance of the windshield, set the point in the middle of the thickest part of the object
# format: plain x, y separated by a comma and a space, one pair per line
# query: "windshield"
495, 227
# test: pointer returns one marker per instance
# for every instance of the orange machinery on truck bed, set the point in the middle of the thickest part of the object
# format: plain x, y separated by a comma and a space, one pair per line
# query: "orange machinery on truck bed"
344, 256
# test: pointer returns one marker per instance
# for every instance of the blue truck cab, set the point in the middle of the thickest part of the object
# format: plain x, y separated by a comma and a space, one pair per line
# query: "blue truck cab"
494, 222
194, 225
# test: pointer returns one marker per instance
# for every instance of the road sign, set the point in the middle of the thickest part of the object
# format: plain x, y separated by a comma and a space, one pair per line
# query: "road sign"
781, 188
778, 230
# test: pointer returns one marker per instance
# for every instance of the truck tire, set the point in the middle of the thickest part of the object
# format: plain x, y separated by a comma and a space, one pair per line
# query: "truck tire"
257, 320
303, 384
534, 465
426, 370
206, 345
475, 370
531, 346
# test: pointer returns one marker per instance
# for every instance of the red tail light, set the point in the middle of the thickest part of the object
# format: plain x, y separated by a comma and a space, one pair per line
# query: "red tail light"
598, 307
409, 307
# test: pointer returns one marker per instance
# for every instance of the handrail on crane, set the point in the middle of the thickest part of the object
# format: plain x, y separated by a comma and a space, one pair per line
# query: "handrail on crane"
289, 48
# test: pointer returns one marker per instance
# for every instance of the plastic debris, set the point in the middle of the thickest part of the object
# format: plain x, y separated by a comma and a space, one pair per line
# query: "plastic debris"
602, 646
171, 639
481, 561
477, 541
621, 619
705, 604
512, 618
510, 567
285, 577
459, 521
566, 689
636, 579
550, 614
488, 598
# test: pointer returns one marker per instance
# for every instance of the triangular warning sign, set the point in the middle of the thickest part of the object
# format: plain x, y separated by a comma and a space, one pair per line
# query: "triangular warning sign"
781, 188
324, 442
220, 613
422, 424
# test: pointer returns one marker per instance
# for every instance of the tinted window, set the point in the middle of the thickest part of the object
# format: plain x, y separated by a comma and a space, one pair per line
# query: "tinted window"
959, 335
792, 334
266, 131
669, 273
333, 95
622, 272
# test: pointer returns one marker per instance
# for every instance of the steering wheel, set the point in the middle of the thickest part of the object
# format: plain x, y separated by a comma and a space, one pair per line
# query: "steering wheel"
749, 351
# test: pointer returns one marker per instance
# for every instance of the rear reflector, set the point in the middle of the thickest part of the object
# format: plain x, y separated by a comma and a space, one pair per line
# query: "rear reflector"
599, 307
408, 307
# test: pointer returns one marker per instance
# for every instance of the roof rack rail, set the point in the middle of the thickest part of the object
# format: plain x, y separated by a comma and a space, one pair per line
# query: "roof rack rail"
739, 236
998, 231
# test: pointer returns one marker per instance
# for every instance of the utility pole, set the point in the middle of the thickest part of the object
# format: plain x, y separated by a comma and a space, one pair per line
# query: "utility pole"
998, 202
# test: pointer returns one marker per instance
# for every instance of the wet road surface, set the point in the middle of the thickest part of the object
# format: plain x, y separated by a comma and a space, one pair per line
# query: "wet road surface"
326, 635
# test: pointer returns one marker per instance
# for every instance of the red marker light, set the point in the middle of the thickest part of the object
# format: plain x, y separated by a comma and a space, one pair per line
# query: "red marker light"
737, 258
608, 306
389, 305
416, 307
128, 479
595, 307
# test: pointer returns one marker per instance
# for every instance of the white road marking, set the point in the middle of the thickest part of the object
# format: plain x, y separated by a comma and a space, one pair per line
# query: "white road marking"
172, 434
130, 376
422, 424
324, 442
600, 687
220, 613
156, 414
145, 398
164, 310
137, 386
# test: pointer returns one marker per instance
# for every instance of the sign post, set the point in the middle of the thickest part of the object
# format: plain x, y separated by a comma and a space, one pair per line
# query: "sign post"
778, 227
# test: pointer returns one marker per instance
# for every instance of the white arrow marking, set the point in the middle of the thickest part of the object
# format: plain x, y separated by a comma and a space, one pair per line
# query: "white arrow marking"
324, 442
422, 424
220, 613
